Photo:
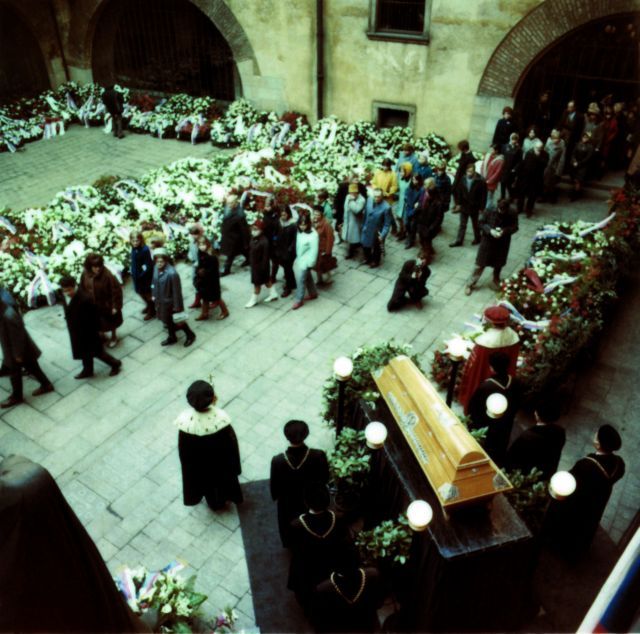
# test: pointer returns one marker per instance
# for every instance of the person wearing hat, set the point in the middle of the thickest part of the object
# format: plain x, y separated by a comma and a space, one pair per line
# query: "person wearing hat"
208, 450
594, 125
498, 337
498, 428
348, 600
579, 165
504, 128
572, 523
341, 196
352, 216
167, 295
291, 471
496, 227
316, 537
260, 265
541, 445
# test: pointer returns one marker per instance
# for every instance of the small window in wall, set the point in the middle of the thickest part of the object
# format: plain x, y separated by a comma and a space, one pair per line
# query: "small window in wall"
400, 20
388, 115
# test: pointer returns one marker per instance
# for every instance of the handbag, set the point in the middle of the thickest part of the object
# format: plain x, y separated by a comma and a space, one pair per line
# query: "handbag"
181, 317
327, 263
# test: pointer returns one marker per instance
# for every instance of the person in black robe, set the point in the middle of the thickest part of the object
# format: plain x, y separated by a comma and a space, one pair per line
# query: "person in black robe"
349, 599
504, 128
499, 429
207, 281
84, 330
114, 103
571, 524
541, 445
316, 538
291, 472
52, 577
208, 450
411, 285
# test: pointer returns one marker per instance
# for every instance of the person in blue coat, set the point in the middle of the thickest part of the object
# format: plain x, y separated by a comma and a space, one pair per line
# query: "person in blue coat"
141, 269
375, 228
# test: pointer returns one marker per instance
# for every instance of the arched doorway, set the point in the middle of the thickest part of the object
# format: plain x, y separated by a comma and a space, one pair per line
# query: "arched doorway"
598, 59
163, 45
23, 72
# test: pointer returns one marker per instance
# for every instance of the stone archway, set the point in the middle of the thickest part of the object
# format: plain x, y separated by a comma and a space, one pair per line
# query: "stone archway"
86, 17
525, 43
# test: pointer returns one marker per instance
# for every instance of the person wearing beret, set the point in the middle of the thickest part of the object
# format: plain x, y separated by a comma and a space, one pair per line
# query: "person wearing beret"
541, 445
499, 337
349, 599
572, 523
208, 450
498, 429
291, 471
316, 539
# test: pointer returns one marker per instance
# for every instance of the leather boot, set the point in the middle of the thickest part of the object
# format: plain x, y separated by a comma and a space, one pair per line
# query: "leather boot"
196, 302
204, 312
224, 311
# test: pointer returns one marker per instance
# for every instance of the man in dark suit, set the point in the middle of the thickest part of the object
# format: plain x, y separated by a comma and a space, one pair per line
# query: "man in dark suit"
291, 472
82, 321
466, 158
472, 198
571, 125
539, 446
512, 153
114, 104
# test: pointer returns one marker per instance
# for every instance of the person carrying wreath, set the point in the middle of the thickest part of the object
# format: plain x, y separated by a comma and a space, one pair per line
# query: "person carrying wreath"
83, 324
104, 290
208, 450
291, 471
207, 281
316, 538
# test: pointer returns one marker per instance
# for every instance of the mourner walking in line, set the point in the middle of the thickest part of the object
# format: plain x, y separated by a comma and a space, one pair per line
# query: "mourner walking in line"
83, 324
496, 227
375, 228
207, 281
235, 234
141, 269
291, 471
306, 258
326, 261
104, 290
167, 295
196, 231
208, 450
18, 352
286, 250
352, 215
260, 265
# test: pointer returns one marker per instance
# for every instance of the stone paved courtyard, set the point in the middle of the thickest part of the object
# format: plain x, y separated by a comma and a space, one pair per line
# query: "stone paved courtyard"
111, 444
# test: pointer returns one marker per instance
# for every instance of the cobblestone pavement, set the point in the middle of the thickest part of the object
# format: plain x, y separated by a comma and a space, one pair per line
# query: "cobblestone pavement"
111, 444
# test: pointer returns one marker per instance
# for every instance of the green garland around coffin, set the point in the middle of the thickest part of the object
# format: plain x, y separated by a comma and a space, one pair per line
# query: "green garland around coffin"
559, 299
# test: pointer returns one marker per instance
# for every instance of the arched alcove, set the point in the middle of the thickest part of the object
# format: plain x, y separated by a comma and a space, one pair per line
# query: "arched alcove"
163, 45
597, 59
23, 71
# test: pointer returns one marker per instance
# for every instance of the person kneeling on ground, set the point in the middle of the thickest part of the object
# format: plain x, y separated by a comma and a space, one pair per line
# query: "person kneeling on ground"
84, 330
411, 285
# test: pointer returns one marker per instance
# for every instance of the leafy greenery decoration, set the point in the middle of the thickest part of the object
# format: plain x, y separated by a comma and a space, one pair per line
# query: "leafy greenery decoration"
388, 542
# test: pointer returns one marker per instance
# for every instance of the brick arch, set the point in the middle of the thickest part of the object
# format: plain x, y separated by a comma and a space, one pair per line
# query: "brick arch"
86, 18
542, 27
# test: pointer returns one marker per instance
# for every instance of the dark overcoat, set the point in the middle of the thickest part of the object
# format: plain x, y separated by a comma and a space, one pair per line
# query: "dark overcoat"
141, 269
210, 467
291, 471
572, 523
14, 338
494, 251
207, 281
580, 159
503, 131
530, 177
259, 260
167, 292
234, 232
105, 292
408, 287
539, 446
286, 243
474, 199
465, 159
83, 324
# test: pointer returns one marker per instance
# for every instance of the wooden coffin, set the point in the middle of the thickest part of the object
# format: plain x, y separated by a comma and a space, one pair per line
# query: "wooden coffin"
458, 469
